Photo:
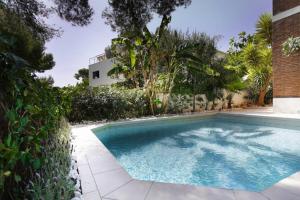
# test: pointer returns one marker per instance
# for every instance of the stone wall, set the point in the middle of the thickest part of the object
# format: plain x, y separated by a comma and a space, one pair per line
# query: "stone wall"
185, 102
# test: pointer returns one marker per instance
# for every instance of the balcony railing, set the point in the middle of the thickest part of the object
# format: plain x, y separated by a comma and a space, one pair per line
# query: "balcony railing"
98, 58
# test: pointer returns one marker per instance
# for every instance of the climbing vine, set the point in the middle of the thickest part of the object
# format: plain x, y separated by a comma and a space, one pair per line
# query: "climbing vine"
291, 46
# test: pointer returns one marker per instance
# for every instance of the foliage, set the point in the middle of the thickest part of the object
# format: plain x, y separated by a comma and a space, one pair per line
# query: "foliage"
125, 53
251, 57
252, 95
23, 43
108, 52
50, 181
143, 57
199, 68
181, 102
30, 112
83, 75
170, 61
264, 28
291, 46
131, 17
258, 60
32, 13
78, 12
105, 103
177, 52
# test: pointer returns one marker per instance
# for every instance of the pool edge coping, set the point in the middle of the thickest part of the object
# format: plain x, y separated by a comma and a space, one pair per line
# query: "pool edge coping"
285, 187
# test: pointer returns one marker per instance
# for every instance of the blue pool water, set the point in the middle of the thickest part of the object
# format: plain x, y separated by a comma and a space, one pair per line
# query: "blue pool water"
223, 151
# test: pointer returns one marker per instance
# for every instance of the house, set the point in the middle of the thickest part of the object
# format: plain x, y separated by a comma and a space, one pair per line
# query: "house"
286, 69
99, 66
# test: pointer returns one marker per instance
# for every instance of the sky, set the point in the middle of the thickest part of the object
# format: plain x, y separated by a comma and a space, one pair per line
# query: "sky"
225, 18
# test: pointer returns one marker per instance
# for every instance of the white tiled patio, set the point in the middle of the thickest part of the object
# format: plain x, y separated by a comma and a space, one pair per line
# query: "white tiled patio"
103, 178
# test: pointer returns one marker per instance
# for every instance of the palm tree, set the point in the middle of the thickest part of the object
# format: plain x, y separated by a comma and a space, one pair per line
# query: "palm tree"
264, 28
258, 57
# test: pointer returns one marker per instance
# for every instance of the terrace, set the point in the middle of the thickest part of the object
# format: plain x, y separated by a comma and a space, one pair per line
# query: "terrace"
164, 114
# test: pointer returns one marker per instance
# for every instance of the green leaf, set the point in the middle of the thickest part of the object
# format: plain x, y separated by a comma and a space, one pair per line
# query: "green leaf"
17, 178
132, 57
36, 164
138, 41
19, 104
157, 101
7, 173
8, 140
24, 121
25, 93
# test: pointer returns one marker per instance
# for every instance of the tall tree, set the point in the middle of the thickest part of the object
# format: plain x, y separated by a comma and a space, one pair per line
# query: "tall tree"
131, 16
258, 57
252, 55
23, 43
177, 52
264, 28
30, 108
205, 52
143, 54
83, 75
32, 13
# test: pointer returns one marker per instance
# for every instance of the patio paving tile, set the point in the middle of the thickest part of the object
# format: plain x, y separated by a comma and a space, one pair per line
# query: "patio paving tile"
291, 185
92, 196
134, 190
107, 182
87, 181
167, 191
102, 163
277, 193
81, 159
245, 195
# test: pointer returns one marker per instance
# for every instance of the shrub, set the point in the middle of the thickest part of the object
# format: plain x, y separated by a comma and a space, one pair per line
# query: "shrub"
31, 111
50, 181
106, 103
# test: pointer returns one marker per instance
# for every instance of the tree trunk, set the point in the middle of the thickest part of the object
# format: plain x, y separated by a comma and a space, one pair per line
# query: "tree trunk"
229, 98
229, 104
151, 104
263, 92
261, 98
136, 83
194, 95
166, 103
213, 105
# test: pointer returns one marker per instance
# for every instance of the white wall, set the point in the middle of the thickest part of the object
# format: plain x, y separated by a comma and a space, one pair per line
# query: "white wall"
103, 67
286, 105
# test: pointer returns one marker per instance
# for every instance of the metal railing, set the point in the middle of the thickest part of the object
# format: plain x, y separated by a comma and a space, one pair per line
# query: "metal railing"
98, 58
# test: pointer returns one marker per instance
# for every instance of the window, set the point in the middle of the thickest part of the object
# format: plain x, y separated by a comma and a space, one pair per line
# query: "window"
96, 74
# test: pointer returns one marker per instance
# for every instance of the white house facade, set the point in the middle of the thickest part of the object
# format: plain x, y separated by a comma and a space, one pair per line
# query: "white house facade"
99, 66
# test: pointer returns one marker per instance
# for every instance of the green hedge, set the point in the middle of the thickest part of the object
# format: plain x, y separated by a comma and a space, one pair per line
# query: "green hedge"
31, 145
106, 103
51, 180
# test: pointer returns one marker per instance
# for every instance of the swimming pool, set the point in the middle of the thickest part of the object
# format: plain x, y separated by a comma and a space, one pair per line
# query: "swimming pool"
223, 150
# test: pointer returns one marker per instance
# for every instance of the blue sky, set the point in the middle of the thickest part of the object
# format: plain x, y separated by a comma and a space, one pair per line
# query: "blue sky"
76, 45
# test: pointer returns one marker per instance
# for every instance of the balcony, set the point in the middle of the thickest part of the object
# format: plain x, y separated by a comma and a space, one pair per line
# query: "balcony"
98, 58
